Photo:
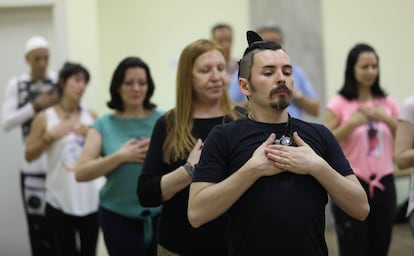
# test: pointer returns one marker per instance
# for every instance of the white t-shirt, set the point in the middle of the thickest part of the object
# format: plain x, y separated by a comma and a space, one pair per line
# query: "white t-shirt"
63, 192
407, 114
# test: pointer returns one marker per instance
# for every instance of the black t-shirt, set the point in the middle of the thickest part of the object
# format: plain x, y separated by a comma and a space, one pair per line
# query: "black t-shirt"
284, 213
175, 232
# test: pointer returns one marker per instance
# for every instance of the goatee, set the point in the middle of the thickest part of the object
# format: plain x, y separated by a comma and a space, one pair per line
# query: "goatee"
281, 105
283, 99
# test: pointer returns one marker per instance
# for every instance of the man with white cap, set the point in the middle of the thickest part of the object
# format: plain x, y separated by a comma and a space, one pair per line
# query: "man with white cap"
26, 95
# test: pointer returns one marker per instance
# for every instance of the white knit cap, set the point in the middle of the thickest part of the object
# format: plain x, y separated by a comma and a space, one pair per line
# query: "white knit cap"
36, 42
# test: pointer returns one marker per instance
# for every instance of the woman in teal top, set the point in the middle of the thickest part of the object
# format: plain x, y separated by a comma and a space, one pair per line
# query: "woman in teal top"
116, 147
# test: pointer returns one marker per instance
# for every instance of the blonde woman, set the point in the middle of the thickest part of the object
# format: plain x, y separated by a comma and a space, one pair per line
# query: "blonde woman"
201, 103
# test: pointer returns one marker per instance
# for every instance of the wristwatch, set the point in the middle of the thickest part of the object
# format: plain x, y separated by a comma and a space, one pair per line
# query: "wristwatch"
189, 169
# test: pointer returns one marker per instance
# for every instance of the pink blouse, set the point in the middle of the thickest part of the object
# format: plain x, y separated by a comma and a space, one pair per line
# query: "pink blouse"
369, 147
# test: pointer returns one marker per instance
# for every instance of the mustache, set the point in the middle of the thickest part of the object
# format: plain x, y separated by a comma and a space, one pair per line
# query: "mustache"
280, 88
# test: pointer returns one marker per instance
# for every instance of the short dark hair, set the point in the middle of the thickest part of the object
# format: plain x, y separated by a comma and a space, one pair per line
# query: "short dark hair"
349, 89
118, 78
271, 28
256, 44
220, 26
69, 69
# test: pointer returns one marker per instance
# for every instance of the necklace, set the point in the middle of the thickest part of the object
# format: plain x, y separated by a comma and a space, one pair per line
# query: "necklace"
66, 113
285, 139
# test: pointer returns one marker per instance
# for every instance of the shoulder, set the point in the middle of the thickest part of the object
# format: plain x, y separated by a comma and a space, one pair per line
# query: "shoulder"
240, 112
390, 104
338, 99
93, 113
157, 113
233, 127
316, 135
161, 121
390, 101
41, 117
307, 125
103, 119
337, 102
309, 128
408, 103
407, 110
52, 75
14, 81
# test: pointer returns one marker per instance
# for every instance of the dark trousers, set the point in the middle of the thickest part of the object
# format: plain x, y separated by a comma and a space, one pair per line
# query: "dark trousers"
33, 195
372, 236
73, 235
125, 236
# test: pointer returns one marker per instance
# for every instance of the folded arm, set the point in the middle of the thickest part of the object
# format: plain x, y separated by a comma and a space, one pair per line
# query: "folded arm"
208, 201
90, 164
346, 191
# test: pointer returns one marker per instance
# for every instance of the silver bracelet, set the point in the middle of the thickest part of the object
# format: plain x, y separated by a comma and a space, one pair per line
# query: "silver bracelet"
189, 169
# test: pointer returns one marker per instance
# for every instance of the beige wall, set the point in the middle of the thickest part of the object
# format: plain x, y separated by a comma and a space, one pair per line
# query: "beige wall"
384, 24
101, 33
157, 31
83, 46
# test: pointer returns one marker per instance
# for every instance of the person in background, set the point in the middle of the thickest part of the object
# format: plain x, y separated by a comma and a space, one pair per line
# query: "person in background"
25, 96
364, 119
304, 96
176, 142
222, 34
404, 149
116, 147
60, 130
270, 174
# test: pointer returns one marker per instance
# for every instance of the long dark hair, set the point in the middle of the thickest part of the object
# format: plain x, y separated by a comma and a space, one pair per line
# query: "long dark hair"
349, 89
118, 78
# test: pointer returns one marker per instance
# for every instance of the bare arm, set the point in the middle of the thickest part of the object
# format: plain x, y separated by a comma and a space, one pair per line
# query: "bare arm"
91, 165
404, 142
342, 131
38, 139
309, 105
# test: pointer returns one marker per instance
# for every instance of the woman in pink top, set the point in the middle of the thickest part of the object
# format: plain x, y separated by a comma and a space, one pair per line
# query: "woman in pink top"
363, 119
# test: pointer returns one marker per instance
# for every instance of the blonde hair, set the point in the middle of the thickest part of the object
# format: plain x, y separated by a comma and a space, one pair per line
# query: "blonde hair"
179, 140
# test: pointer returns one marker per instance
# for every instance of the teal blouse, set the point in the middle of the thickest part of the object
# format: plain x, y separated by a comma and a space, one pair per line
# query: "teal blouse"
119, 192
